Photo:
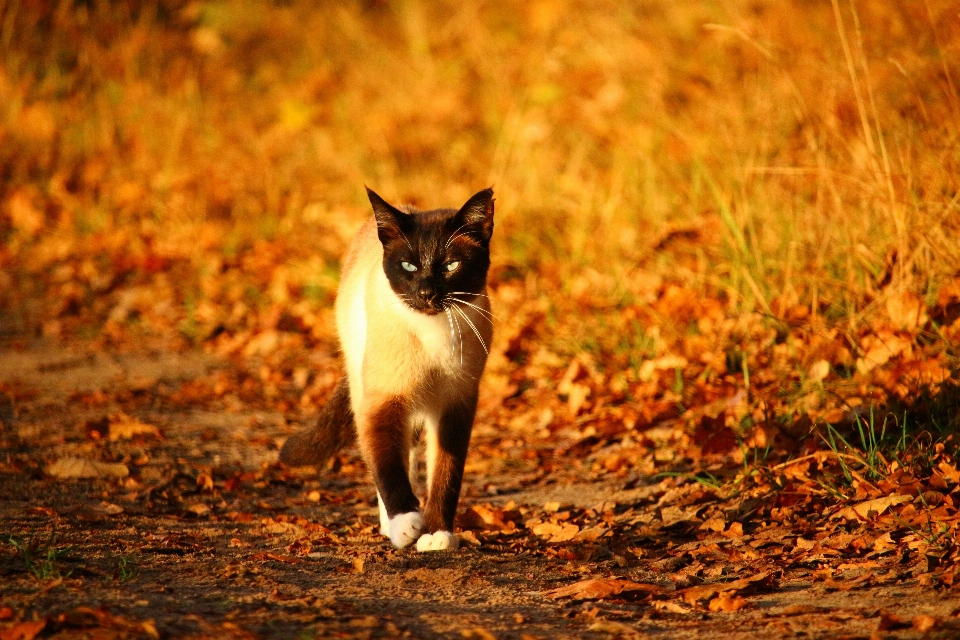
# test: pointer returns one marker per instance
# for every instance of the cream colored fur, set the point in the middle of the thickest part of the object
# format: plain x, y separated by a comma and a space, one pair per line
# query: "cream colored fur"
389, 350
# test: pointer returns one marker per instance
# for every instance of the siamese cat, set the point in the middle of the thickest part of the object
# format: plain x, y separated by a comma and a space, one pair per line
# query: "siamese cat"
415, 326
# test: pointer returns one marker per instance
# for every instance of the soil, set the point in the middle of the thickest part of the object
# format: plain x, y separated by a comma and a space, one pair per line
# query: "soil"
209, 536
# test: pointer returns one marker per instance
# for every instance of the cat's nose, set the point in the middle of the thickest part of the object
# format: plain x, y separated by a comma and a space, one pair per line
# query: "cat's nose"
427, 292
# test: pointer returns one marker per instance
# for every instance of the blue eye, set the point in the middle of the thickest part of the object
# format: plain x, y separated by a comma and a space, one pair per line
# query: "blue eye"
407, 266
452, 266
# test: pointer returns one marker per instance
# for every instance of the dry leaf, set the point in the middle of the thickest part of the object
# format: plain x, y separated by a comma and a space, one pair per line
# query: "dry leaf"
123, 427
672, 607
83, 468
665, 362
205, 482
678, 515
199, 509
23, 630
949, 472
727, 602
485, 518
591, 534
907, 311
879, 349
469, 537
713, 524
556, 532
110, 509
891, 622
705, 592
924, 623
818, 371
618, 629
598, 588
862, 510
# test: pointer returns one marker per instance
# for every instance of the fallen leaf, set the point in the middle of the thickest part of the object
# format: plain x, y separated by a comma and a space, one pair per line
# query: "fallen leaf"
678, 515
205, 482
83, 468
818, 371
110, 509
890, 622
598, 588
123, 427
949, 472
263, 556
618, 629
23, 630
150, 628
879, 350
469, 537
556, 532
907, 311
199, 509
484, 518
727, 602
713, 524
706, 592
924, 623
884, 543
862, 510
591, 534
672, 607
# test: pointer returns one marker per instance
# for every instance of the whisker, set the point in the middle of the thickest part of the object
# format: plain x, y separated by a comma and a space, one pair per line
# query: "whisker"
453, 236
459, 333
487, 314
474, 328
453, 347
469, 293
407, 241
402, 235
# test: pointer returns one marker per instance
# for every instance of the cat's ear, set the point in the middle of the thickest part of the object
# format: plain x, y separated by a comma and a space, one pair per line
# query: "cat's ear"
478, 213
392, 224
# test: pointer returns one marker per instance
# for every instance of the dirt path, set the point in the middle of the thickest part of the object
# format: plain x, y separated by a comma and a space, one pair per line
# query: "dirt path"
207, 536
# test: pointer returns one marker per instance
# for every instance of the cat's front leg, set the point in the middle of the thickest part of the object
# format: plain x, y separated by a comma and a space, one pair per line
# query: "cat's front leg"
385, 442
447, 443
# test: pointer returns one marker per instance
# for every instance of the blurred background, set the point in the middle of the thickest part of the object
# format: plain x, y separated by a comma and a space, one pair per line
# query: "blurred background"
682, 188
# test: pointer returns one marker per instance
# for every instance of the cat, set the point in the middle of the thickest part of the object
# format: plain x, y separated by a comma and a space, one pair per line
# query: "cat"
415, 326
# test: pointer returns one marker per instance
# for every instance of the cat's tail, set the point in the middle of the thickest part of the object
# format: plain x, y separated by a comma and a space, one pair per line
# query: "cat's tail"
333, 430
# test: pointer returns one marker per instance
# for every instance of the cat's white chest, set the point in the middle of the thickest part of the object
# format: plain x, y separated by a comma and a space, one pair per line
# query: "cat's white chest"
433, 333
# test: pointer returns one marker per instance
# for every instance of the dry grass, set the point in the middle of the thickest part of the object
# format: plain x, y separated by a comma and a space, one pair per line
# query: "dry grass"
200, 165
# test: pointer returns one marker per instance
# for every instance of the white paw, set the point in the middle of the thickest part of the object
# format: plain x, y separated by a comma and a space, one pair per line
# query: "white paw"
437, 541
404, 528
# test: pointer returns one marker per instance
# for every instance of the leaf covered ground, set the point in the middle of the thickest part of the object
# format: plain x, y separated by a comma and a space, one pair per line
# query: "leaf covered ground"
187, 527
722, 398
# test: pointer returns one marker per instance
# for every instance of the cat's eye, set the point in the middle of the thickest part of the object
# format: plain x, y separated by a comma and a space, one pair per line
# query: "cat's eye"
452, 266
407, 266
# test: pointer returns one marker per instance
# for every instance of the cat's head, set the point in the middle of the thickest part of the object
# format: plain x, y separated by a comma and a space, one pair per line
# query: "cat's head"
430, 257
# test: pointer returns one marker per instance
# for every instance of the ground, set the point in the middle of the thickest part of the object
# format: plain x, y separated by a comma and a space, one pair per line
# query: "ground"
209, 536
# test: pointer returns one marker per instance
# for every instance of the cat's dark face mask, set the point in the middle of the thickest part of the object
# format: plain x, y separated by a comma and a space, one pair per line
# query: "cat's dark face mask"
432, 258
